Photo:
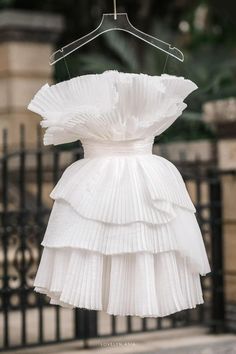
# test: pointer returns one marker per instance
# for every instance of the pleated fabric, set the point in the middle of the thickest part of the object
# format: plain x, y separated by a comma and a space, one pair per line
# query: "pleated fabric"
67, 228
122, 236
128, 188
140, 284
110, 106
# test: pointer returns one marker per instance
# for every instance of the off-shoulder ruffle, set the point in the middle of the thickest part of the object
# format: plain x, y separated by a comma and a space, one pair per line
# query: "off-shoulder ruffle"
112, 106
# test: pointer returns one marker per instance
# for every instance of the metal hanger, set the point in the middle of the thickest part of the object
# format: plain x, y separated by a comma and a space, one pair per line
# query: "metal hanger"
110, 22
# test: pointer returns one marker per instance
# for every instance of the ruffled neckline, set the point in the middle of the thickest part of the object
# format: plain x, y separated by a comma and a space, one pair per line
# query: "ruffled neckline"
121, 74
110, 106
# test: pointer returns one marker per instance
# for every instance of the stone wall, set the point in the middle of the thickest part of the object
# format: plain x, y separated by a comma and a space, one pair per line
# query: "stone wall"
26, 42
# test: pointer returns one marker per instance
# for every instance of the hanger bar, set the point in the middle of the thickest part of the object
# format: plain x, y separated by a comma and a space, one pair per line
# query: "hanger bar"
115, 10
122, 23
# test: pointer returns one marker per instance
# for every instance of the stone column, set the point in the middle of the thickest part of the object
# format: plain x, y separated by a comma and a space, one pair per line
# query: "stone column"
26, 42
221, 114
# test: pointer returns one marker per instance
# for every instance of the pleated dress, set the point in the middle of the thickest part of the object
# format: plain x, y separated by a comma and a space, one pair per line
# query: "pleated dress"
122, 235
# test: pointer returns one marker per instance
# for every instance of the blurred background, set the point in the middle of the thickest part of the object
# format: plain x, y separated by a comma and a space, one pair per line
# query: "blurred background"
202, 144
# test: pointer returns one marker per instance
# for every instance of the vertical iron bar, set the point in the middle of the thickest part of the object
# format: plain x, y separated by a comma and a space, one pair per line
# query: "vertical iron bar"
199, 217
173, 321
21, 223
85, 324
55, 179
113, 325
5, 297
144, 324
218, 301
129, 324
86, 327
77, 323
39, 171
159, 323
81, 325
39, 221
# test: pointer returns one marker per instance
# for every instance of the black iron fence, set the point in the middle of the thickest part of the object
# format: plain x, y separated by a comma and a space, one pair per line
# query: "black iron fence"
26, 319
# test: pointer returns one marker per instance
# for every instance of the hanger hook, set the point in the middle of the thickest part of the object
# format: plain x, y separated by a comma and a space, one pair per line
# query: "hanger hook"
115, 11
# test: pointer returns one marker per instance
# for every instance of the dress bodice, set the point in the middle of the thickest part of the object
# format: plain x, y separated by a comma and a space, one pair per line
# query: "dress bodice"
112, 106
95, 148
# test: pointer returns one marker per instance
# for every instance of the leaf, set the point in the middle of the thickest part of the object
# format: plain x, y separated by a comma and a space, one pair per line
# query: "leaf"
95, 63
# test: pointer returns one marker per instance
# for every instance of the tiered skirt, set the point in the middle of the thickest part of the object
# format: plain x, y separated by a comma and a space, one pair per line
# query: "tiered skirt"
122, 237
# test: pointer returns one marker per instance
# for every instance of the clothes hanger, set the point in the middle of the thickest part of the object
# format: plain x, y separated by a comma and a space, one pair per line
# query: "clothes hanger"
110, 22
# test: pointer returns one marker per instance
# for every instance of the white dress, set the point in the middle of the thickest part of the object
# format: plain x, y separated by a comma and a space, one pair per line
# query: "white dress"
122, 236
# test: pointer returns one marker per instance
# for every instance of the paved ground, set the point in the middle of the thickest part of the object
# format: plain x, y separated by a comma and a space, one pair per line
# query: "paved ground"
192, 340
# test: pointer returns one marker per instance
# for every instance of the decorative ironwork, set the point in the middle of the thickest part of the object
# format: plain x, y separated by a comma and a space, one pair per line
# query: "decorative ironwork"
24, 212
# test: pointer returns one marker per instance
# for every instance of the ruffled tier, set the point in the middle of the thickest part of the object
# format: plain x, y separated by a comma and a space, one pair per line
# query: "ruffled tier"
123, 237
141, 284
67, 228
124, 189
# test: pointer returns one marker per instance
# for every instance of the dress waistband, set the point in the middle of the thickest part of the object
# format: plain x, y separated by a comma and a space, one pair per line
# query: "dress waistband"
95, 148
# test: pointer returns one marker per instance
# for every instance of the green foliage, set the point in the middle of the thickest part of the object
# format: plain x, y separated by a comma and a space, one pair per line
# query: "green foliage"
6, 3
